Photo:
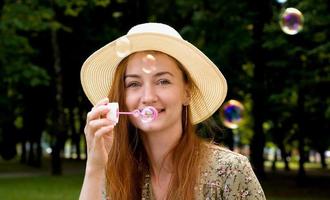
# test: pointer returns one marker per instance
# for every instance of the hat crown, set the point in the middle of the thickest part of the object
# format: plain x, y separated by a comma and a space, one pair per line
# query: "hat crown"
154, 28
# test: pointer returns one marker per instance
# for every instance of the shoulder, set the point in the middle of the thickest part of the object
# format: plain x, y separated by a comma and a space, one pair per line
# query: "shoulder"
221, 156
228, 175
222, 164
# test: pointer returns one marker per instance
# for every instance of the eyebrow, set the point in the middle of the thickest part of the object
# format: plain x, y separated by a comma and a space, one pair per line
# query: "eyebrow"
155, 75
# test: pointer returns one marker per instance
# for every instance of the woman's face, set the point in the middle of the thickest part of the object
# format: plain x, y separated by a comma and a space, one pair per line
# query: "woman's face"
154, 79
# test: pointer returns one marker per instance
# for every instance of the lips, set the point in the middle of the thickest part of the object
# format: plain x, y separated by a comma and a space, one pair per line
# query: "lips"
160, 110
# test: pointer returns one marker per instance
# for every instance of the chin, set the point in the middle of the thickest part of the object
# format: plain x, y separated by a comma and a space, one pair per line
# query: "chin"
150, 127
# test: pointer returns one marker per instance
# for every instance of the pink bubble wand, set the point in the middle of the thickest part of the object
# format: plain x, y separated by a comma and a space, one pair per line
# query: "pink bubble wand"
146, 115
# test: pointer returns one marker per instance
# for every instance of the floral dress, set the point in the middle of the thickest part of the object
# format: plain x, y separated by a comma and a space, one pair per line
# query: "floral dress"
225, 175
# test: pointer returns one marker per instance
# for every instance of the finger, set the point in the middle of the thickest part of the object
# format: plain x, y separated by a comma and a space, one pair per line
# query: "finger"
103, 101
93, 140
92, 126
99, 123
97, 112
105, 130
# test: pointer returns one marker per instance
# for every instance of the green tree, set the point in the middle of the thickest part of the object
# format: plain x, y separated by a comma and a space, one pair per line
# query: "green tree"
298, 75
19, 22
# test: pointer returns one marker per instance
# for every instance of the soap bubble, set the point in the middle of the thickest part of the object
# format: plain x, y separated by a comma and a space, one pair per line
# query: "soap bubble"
281, 1
123, 47
291, 21
149, 63
148, 114
231, 114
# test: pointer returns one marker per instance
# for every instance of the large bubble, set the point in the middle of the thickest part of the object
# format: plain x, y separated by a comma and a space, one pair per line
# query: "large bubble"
291, 21
149, 63
123, 47
231, 114
281, 1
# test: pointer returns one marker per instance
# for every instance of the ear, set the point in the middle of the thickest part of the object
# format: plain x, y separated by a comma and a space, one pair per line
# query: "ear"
187, 95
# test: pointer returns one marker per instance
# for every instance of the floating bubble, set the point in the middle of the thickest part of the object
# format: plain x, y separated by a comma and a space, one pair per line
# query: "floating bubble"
281, 1
231, 114
123, 47
291, 21
149, 63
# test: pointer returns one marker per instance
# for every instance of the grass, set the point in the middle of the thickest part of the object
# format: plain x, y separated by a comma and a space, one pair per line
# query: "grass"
41, 187
20, 182
282, 185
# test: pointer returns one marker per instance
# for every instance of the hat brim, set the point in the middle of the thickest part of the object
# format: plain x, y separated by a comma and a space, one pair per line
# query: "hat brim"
98, 70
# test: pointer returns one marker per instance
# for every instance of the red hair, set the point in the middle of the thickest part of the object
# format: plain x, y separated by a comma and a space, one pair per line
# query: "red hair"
128, 162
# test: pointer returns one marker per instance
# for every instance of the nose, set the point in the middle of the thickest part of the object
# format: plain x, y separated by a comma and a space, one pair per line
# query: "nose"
149, 95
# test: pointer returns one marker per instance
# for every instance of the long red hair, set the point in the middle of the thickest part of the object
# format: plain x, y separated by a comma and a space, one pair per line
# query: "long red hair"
128, 162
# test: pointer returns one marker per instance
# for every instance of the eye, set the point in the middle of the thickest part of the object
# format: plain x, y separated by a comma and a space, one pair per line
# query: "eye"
133, 84
163, 82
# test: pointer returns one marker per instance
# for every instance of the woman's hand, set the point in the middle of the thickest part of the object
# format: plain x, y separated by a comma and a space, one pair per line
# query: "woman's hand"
99, 136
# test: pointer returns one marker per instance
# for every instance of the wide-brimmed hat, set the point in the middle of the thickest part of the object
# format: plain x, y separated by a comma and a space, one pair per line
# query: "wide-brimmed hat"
98, 70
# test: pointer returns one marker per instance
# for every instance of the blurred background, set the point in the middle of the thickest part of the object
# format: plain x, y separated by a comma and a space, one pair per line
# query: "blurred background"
274, 54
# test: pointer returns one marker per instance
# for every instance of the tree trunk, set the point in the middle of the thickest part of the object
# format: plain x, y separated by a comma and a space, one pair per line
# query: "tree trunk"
275, 160
323, 159
23, 154
31, 154
59, 125
284, 156
301, 136
75, 137
262, 15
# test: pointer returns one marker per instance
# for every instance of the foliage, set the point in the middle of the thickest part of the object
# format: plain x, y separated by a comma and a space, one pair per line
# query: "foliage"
296, 67
18, 23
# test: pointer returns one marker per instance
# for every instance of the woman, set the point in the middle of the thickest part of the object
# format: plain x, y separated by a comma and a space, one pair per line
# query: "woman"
164, 159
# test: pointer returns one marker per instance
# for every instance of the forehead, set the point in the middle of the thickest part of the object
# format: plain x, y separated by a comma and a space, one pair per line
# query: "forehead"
154, 61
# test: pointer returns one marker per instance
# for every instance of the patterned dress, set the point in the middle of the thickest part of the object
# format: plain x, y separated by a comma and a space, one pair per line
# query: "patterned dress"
225, 175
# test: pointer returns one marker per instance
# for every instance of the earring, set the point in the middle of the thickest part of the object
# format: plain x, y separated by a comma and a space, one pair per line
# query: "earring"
186, 116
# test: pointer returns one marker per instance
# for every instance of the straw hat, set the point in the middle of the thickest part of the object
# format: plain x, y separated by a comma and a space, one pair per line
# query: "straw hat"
98, 70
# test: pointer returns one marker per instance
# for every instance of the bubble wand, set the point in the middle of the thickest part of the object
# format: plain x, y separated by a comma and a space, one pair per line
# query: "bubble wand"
146, 115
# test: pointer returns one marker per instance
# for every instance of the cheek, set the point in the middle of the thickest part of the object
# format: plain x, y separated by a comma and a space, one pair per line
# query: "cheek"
173, 98
131, 100
178, 94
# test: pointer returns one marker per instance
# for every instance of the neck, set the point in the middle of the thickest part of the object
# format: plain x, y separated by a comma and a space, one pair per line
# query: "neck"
158, 146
